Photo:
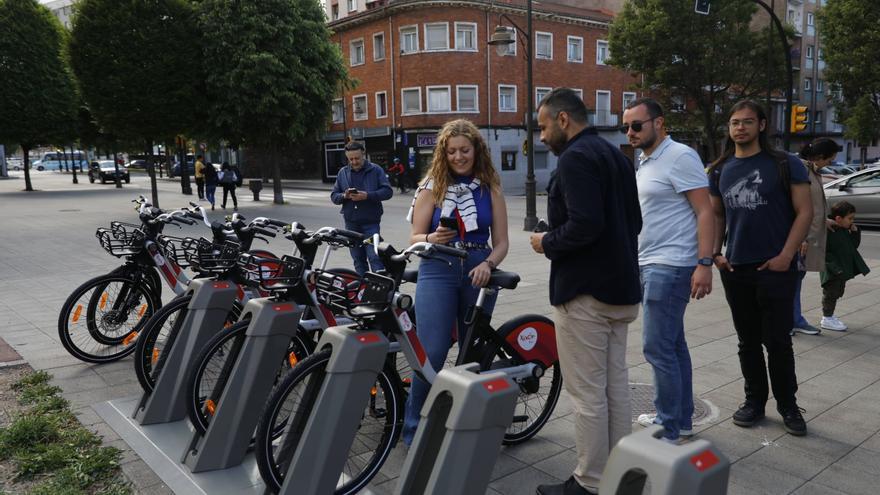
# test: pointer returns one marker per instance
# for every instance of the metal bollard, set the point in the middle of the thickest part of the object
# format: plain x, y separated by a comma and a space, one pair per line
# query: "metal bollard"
255, 185
459, 437
695, 468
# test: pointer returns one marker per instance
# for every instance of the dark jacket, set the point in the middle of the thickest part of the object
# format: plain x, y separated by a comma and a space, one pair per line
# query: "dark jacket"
595, 220
842, 258
370, 178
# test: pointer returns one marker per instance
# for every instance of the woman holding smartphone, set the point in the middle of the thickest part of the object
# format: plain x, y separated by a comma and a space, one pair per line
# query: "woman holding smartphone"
459, 203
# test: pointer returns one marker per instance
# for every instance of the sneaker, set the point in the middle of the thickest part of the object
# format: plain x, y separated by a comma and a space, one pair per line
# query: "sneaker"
806, 329
570, 487
686, 432
647, 420
794, 421
747, 415
832, 323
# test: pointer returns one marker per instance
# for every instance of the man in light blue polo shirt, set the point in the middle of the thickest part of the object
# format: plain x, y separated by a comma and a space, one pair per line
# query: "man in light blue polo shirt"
675, 258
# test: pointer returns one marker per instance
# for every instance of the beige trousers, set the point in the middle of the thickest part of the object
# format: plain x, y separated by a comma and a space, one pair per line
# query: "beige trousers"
591, 339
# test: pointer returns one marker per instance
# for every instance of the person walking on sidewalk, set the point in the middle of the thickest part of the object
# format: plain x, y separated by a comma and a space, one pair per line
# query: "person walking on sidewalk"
397, 171
211, 179
229, 179
199, 173
842, 262
675, 258
817, 154
360, 188
761, 199
594, 216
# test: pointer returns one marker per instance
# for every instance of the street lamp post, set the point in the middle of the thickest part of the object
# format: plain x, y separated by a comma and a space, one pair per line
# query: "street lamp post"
501, 38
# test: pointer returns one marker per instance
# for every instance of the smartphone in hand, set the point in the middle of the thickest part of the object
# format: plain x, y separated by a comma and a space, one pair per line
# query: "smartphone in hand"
541, 226
449, 223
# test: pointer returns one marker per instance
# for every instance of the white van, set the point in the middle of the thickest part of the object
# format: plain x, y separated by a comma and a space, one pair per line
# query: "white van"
55, 161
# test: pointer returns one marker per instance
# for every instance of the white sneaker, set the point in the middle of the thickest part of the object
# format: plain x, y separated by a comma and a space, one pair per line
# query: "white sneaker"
832, 323
647, 420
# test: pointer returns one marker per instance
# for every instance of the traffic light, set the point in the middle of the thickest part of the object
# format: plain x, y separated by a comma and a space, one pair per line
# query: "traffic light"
701, 7
798, 118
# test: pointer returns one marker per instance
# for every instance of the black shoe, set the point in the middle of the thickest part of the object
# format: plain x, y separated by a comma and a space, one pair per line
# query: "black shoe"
793, 421
747, 415
570, 487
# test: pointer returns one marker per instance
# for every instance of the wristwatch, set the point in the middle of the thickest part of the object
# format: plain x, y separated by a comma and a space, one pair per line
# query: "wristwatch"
705, 261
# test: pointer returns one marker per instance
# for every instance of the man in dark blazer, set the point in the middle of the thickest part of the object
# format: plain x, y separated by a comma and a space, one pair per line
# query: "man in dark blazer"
595, 219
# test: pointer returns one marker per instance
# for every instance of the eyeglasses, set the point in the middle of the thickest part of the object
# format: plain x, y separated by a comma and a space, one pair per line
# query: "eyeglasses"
636, 126
743, 122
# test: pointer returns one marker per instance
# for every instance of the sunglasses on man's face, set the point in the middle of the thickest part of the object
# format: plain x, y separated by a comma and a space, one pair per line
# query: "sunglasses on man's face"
636, 126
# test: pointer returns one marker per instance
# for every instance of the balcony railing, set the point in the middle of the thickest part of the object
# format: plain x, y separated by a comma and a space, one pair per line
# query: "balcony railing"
604, 118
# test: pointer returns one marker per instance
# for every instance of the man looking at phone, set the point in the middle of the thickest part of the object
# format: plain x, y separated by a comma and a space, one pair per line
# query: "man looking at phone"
360, 188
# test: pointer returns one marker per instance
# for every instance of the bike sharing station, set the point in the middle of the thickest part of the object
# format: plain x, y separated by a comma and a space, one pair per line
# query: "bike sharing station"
455, 448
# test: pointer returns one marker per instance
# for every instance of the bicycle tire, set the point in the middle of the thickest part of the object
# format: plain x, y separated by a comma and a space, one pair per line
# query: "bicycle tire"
549, 385
219, 354
77, 331
152, 341
310, 373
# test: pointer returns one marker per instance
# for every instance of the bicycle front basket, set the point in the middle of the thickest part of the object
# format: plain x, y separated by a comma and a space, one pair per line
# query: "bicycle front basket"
272, 274
205, 256
172, 249
129, 245
367, 297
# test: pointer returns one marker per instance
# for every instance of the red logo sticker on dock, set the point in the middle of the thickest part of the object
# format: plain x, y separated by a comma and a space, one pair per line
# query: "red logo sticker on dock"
496, 385
283, 307
704, 460
221, 285
368, 338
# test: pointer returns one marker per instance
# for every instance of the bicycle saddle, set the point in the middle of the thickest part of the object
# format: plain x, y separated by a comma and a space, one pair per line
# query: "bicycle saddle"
505, 280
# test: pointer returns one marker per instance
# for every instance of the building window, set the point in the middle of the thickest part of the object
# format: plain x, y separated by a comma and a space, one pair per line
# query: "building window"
412, 100
439, 99
601, 52
379, 46
627, 99
506, 98
821, 54
381, 105
335, 12
356, 52
508, 160
338, 109
818, 117
510, 48
810, 19
540, 160
437, 36
809, 52
603, 109
544, 45
409, 39
359, 108
820, 85
540, 93
352, 5
578, 92
808, 84
466, 36
466, 98
575, 49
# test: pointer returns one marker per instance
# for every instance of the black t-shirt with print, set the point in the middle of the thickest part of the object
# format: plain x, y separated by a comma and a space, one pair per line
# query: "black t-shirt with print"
758, 210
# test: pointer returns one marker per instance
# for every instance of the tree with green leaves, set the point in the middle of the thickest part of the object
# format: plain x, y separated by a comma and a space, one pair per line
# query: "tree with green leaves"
272, 72
137, 64
697, 65
37, 90
850, 31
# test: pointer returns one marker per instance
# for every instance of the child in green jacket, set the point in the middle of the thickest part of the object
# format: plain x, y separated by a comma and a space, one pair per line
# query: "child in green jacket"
842, 262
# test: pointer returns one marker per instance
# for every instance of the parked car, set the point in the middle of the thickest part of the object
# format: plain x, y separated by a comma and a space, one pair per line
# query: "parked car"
14, 163
105, 171
57, 161
862, 190
137, 164
190, 168
841, 169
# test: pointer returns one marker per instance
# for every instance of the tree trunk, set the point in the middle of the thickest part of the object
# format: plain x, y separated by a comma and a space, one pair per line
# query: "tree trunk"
276, 175
27, 167
151, 170
73, 164
863, 155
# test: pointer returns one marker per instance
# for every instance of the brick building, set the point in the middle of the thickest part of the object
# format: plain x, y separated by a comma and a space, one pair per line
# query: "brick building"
421, 63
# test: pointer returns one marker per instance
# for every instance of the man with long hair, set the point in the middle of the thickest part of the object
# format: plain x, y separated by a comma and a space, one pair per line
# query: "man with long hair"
761, 199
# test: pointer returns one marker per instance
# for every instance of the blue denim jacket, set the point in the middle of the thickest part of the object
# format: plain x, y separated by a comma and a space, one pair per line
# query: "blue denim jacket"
371, 179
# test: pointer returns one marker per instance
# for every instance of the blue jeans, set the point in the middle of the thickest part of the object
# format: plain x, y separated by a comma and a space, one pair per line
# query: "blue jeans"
443, 296
665, 295
799, 320
210, 191
360, 254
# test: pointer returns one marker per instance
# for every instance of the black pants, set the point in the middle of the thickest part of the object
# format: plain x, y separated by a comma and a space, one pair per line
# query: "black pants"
229, 189
762, 303
832, 290
200, 187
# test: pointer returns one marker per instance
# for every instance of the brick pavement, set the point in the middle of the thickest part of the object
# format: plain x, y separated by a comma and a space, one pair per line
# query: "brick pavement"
49, 248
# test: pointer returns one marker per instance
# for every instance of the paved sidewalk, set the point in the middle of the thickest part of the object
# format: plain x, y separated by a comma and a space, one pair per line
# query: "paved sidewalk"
49, 248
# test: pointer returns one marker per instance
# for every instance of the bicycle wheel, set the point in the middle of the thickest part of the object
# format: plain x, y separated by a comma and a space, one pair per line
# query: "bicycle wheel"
159, 334
100, 321
538, 396
295, 398
213, 365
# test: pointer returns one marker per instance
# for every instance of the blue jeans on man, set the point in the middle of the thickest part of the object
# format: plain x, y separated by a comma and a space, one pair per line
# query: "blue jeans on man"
361, 254
799, 320
665, 294
443, 296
